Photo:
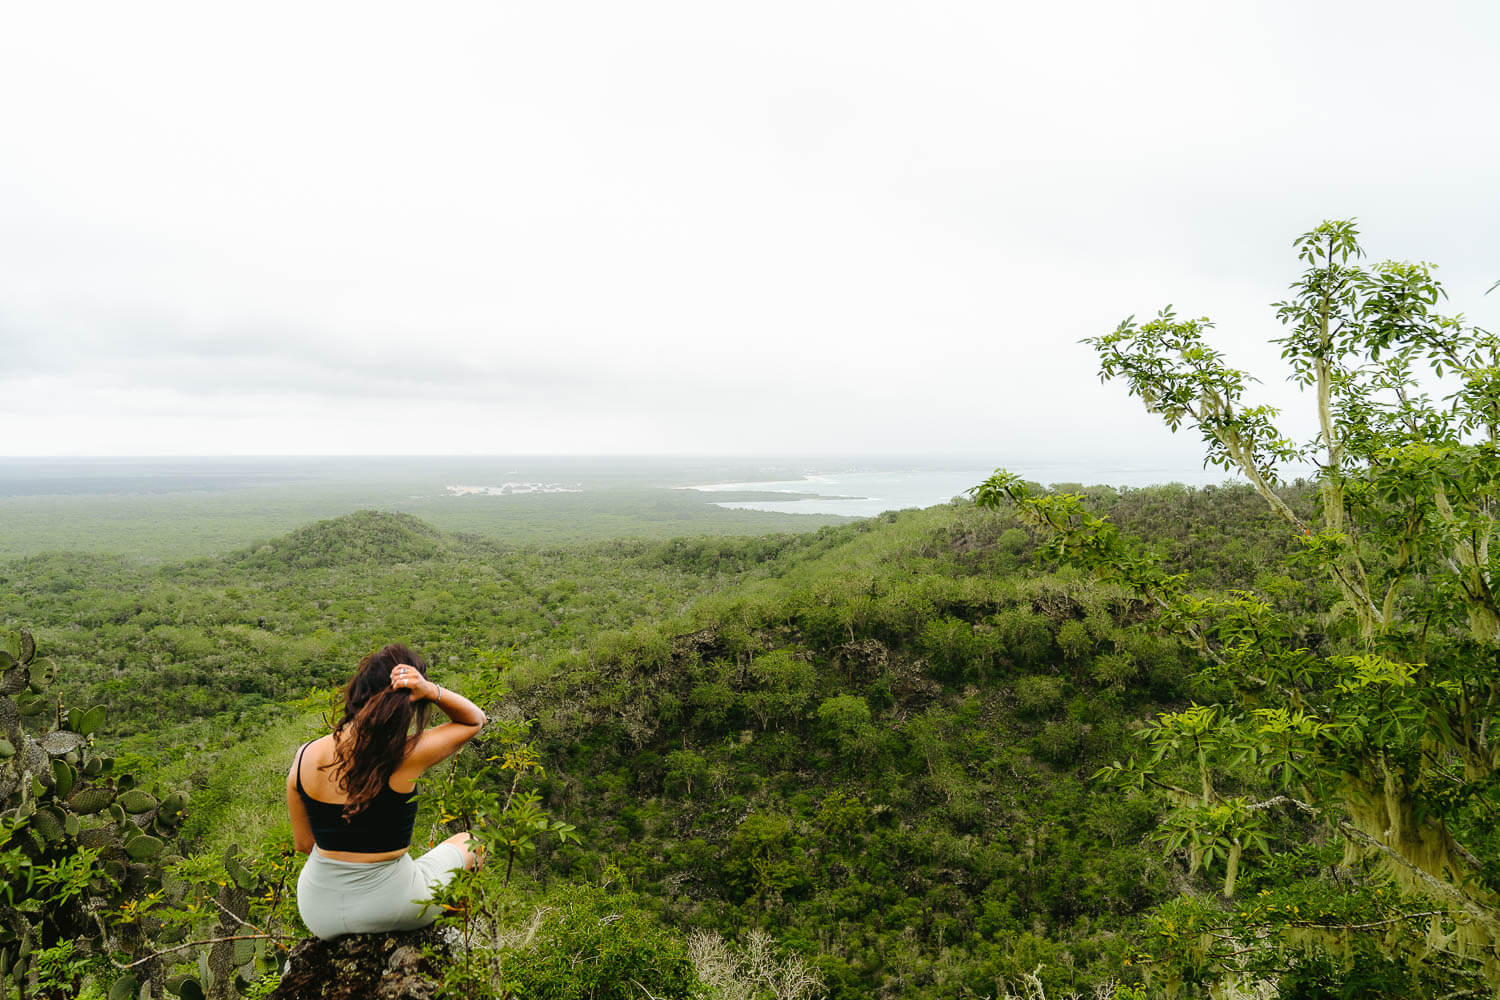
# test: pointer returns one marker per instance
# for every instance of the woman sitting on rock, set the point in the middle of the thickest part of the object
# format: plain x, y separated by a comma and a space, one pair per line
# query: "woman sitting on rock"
353, 801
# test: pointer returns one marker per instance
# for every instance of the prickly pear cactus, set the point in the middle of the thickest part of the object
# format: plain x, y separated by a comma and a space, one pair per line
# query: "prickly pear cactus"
65, 809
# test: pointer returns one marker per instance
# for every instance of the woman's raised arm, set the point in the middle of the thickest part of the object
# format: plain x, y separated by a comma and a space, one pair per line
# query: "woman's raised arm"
440, 742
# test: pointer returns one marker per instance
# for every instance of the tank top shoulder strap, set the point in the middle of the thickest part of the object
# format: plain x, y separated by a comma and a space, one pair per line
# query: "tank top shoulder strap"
299, 767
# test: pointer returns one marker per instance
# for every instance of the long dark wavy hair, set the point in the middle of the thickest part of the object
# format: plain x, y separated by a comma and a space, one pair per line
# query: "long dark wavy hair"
381, 721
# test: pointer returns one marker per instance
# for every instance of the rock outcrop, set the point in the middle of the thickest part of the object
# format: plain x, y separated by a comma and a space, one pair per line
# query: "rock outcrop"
392, 966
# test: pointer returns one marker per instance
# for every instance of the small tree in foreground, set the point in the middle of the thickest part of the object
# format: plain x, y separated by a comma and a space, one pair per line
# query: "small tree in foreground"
1358, 708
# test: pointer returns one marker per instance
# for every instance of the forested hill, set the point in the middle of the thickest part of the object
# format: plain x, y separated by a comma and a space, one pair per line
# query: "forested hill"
873, 741
269, 623
883, 754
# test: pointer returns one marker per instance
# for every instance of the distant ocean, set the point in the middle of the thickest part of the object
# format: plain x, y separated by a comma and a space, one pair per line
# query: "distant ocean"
849, 487
865, 494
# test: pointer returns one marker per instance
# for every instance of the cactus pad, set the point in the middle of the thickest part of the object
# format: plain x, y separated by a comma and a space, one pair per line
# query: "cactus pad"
124, 988
87, 801
63, 778
61, 741
14, 679
33, 758
138, 800
91, 720
43, 671
240, 875
101, 837
49, 824
144, 848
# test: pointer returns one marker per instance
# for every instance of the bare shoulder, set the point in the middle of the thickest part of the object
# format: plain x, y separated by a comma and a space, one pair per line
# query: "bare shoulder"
313, 754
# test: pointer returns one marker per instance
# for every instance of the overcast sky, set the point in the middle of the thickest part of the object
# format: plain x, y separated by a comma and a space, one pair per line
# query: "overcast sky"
700, 227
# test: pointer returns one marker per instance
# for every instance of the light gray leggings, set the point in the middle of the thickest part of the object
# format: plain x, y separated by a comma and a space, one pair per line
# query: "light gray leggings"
366, 897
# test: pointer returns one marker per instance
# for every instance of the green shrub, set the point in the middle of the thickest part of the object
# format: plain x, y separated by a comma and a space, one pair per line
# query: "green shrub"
783, 686
1027, 636
1061, 742
1073, 639
1039, 694
845, 719
1113, 670
594, 944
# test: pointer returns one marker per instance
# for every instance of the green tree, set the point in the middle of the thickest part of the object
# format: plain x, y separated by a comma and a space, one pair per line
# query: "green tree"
846, 718
759, 857
684, 769
1362, 705
783, 685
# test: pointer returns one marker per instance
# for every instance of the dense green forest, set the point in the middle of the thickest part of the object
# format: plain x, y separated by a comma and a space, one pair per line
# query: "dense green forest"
883, 753
872, 741
163, 512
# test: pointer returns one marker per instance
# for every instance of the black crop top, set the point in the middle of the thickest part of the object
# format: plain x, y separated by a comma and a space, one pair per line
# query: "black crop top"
383, 825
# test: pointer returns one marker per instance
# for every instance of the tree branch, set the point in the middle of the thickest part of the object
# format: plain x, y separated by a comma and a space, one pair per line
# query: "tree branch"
194, 944
1435, 887
1285, 800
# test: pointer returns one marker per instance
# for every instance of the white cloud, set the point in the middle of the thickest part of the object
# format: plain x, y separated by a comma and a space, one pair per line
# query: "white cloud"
690, 227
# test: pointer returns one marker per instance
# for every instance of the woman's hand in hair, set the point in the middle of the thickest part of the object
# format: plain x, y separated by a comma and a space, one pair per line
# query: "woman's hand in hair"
408, 678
